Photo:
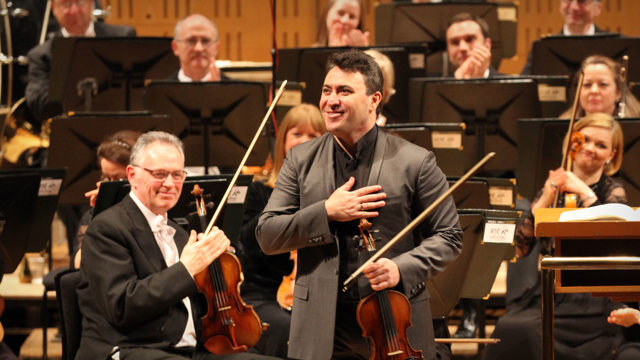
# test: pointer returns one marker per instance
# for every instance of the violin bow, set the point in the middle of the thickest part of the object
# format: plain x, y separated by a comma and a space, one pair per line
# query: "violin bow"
223, 201
567, 146
420, 218
624, 70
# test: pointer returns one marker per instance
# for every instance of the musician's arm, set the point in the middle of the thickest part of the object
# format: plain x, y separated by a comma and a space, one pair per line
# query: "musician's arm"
283, 225
441, 240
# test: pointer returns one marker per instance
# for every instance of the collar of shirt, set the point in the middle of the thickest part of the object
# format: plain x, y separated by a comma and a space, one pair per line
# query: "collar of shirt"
365, 142
148, 214
590, 31
91, 31
182, 77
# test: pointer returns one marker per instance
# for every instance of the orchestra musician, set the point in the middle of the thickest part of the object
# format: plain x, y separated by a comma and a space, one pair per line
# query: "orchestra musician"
74, 17
342, 24
579, 19
469, 47
602, 89
264, 273
195, 43
137, 293
581, 328
325, 186
113, 157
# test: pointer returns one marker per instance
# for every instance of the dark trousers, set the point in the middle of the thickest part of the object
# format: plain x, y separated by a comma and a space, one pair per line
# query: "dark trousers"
156, 354
348, 342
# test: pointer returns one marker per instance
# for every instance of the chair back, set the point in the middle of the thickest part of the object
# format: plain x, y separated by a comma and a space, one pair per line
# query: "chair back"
70, 315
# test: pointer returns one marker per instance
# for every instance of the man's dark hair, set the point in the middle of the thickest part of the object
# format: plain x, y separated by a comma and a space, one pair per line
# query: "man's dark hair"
460, 17
357, 61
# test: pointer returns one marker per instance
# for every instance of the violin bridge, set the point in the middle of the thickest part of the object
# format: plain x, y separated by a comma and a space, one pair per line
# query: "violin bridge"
224, 308
394, 353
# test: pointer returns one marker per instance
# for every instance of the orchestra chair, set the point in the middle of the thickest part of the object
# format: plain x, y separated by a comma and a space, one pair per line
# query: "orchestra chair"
70, 316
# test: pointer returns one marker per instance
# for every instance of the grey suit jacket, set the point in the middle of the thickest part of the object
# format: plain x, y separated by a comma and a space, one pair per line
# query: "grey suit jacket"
295, 218
37, 91
127, 295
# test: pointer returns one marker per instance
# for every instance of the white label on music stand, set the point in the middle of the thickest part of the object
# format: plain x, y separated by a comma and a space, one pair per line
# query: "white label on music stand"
501, 195
291, 98
499, 232
446, 140
238, 194
49, 187
507, 13
416, 61
551, 93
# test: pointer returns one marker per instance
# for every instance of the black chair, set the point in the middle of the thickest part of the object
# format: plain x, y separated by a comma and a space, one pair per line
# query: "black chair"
70, 316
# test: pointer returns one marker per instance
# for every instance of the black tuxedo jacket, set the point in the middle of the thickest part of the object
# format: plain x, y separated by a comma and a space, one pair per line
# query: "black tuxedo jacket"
127, 295
37, 92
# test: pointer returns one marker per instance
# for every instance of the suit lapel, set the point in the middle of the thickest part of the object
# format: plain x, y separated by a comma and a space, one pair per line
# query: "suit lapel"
144, 236
378, 155
327, 168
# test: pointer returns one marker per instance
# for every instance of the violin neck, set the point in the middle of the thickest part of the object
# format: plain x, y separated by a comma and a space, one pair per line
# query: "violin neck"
386, 313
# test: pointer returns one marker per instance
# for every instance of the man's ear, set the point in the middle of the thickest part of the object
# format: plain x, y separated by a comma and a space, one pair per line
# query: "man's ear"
487, 43
376, 98
174, 47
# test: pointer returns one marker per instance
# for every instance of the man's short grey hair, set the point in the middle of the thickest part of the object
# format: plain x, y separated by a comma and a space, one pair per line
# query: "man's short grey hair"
176, 30
150, 137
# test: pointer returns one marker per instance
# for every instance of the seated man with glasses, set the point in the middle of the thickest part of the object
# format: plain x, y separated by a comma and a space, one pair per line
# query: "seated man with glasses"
137, 291
75, 19
195, 43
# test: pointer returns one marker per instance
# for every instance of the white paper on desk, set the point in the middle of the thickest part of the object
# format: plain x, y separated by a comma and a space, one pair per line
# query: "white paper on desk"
611, 212
238, 194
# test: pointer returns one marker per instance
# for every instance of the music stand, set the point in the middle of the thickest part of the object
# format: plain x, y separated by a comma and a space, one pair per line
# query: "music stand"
216, 121
544, 138
46, 203
183, 212
398, 23
473, 272
119, 67
18, 194
562, 55
75, 139
485, 193
488, 108
308, 66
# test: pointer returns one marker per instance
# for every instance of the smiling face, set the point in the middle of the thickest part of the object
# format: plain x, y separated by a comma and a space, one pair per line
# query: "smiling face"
196, 45
579, 13
599, 91
462, 38
597, 149
347, 110
344, 16
157, 195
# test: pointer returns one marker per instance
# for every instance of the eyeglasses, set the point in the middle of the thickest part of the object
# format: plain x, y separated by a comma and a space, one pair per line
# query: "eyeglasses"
111, 178
194, 40
580, 2
68, 4
162, 175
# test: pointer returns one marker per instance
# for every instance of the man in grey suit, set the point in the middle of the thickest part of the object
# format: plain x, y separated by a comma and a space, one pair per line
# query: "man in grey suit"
325, 187
75, 19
